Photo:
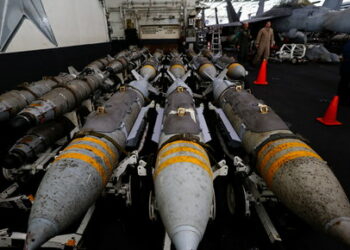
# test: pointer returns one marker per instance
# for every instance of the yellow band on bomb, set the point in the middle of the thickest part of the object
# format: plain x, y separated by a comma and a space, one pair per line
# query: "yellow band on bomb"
177, 66
101, 143
184, 149
293, 150
233, 66
88, 159
275, 150
183, 159
204, 66
271, 172
94, 150
182, 156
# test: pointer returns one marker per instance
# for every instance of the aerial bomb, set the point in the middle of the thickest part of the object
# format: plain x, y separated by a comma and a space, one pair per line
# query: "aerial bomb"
150, 68
235, 71
14, 101
183, 182
118, 65
58, 101
79, 174
100, 64
123, 59
204, 67
61, 99
298, 176
36, 141
177, 68
183, 178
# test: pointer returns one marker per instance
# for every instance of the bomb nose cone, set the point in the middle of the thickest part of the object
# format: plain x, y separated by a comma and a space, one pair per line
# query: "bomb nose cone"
340, 228
186, 238
236, 71
20, 123
39, 231
11, 161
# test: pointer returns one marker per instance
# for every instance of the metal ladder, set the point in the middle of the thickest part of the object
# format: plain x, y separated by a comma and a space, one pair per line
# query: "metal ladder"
216, 46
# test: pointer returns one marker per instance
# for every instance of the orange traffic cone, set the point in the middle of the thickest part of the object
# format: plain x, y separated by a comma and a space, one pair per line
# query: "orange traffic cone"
330, 117
261, 80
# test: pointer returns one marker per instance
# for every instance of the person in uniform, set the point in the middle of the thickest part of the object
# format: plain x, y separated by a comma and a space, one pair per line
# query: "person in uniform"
344, 84
244, 38
264, 41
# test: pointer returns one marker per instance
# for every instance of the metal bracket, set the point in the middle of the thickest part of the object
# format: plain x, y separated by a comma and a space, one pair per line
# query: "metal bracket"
141, 170
25, 171
21, 202
262, 214
222, 169
254, 196
130, 160
117, 185
42, 161
240, 166
8, 191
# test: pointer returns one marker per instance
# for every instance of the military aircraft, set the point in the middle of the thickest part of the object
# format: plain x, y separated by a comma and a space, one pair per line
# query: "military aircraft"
232, 16
231, 13
293, 18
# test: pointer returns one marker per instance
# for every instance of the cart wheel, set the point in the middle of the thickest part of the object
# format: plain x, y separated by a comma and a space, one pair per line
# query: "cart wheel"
294, 61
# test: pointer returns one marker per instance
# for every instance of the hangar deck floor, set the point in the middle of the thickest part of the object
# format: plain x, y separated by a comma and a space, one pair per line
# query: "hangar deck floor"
299, 94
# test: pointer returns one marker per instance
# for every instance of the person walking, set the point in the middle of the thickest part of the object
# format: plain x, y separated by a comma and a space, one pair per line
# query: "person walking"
264, 41
244, 38
344, 84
